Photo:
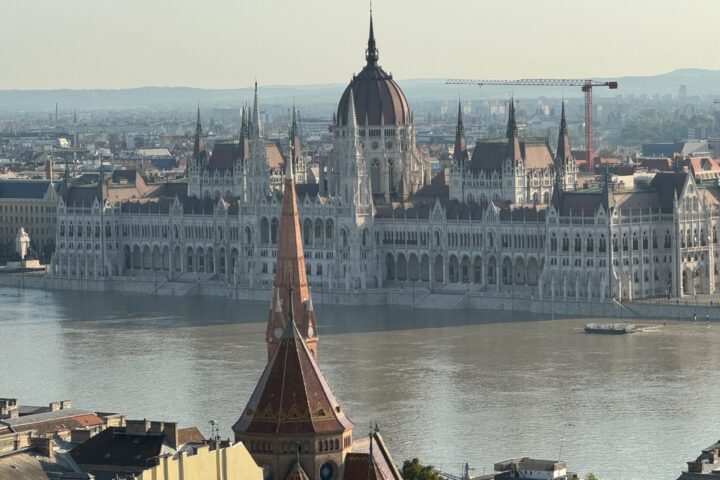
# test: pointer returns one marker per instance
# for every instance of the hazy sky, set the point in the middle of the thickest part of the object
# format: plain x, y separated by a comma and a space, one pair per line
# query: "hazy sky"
227, 43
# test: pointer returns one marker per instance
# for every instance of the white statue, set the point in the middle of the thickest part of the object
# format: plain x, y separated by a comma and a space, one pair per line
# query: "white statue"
22, 243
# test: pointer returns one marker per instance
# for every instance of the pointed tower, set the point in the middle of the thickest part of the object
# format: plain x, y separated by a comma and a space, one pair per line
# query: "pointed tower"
256, 122
195, 165
299, 167
565, 166
371, 52
295, 134
460, 155
243, 152
199, 148
258, 173
513, 152
514, 180
354, 181
293, 404
290, 274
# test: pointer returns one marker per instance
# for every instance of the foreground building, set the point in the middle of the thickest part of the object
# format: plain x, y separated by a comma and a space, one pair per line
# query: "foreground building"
293, 424
507, 219
60, 442
706, 465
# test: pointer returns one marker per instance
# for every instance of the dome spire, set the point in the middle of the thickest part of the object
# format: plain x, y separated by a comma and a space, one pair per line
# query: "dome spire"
371, 53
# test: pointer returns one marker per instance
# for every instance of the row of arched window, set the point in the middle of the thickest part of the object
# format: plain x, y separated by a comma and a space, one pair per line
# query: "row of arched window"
88, 231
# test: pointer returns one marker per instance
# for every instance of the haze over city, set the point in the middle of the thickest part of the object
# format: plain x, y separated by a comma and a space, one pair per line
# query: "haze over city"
275, 240
81, 44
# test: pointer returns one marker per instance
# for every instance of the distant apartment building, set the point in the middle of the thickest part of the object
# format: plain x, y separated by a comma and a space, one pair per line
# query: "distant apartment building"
32, 205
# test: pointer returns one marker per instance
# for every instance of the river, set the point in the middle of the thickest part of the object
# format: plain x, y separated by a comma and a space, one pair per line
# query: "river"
447, 387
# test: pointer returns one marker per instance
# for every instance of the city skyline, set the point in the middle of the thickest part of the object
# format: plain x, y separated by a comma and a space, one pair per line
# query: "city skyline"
227, 44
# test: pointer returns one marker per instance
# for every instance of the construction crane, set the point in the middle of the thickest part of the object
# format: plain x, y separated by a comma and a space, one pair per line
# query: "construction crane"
585, 85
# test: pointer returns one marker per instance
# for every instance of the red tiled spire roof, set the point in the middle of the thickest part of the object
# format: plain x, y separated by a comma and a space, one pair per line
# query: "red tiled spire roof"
292, 396
290, 273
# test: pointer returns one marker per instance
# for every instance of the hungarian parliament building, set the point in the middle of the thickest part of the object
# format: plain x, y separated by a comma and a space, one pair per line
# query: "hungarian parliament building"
505, 219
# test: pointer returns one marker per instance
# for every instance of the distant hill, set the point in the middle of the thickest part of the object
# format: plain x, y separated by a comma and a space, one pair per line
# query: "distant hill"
323, 98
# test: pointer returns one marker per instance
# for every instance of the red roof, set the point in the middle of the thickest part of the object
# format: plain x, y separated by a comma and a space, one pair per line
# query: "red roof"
292, 395
290, 272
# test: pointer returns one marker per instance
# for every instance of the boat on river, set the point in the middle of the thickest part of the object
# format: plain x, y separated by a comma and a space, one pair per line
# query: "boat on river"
610, 328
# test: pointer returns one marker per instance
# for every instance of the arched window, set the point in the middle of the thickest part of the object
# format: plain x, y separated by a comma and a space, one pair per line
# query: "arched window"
274, 230
264, 231
307, 231
248, 235
375, 175
318, 230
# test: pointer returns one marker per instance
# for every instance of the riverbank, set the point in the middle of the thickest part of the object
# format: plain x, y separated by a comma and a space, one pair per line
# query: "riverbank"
420, 298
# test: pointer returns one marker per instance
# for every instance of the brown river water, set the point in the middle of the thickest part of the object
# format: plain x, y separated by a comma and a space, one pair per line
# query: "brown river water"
446, 386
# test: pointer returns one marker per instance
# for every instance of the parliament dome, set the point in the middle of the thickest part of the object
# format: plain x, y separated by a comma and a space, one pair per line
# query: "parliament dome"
377, 97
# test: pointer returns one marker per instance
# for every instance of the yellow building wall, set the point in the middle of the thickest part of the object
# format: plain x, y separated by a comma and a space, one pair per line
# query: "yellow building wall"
230, 463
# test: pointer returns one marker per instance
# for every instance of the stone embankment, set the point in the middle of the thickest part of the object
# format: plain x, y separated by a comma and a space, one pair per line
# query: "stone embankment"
444, 299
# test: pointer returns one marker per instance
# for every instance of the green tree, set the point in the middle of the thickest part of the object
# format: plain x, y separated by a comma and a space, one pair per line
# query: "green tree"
414, 470
590, 476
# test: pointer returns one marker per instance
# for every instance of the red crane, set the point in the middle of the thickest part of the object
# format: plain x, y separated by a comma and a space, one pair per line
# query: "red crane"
585, 85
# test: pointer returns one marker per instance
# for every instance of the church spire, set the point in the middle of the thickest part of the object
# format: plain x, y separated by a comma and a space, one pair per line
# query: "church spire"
290, 276
256, 124
199, 147
371, 53
563, 148
512, 129
514, 153
352, 116
295, 134
243, 151
460, 153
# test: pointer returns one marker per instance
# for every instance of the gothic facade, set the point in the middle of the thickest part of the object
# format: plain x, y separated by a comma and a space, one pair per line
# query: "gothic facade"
509, 221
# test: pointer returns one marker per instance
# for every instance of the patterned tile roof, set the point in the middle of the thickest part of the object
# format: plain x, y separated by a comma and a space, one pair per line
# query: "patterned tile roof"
292, 395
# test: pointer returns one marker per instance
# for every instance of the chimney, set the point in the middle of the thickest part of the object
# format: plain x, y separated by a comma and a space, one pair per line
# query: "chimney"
48, 169
170, 431
54, 406
9, 408
44, 446
65, 405
137, 426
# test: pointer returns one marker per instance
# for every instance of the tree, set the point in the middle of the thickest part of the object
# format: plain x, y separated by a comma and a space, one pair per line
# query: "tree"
414, 470
590, 476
